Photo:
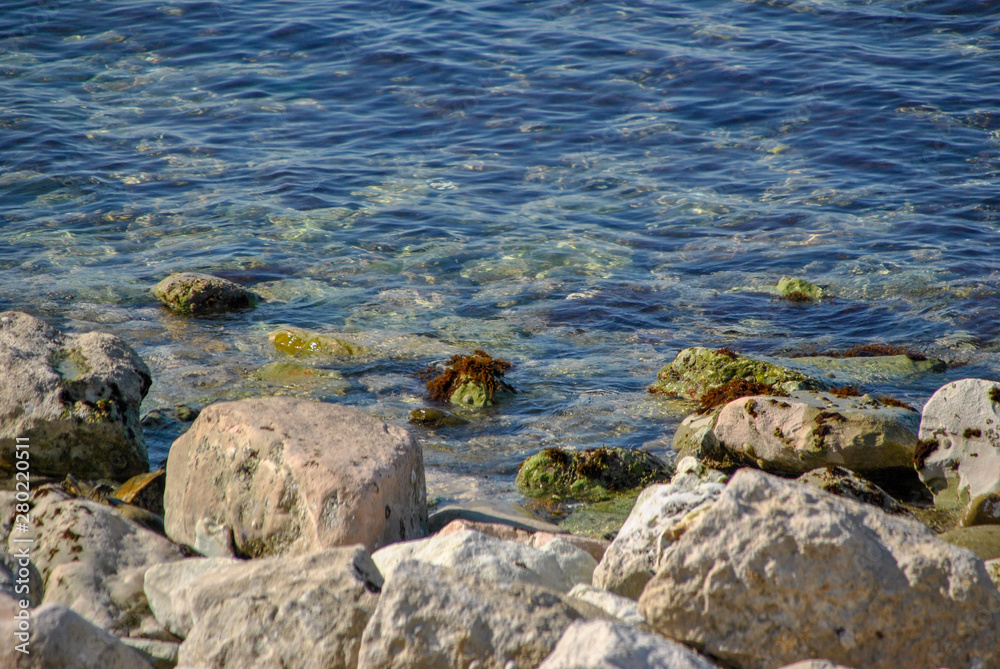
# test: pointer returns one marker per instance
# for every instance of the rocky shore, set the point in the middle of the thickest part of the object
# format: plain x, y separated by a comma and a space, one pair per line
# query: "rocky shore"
804, 523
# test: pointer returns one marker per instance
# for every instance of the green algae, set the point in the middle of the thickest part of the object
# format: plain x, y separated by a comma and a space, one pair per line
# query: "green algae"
294, 341
799, 290
592, 475
698, 371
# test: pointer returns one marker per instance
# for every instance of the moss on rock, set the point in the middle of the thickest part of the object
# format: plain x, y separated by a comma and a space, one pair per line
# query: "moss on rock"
591, 475
297, 342
799, 290
469, 380
196, 294
698, 371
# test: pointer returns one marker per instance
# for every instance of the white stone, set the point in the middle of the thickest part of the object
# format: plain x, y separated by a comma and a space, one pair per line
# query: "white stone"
429, 616
964, 421
604, 644
292, 476
623, 608
777, 571
558, 564
661, 513
792, 435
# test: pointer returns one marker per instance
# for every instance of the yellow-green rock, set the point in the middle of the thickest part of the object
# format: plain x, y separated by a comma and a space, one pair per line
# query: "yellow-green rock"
799, 290
294, 341
695, 371
591, 475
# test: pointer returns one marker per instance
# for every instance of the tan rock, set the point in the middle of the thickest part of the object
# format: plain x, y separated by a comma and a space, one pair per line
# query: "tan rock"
428, 616
605, 644
777, 571
291, 476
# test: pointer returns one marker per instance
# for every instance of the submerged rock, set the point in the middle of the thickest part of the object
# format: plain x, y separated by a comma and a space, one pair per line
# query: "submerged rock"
983, 540
959, 453
776, 571
292, 476
697, 371
196, 294
429, 616
791, 435
73, 399
299, 342
590, 475
434, 418
799, 290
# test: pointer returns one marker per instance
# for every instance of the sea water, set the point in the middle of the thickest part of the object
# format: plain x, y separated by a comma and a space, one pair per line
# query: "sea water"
580, 187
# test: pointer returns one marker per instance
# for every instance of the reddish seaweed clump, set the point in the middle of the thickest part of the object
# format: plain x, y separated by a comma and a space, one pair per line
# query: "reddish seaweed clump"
893, 402
734, 389
845, 391
480, 368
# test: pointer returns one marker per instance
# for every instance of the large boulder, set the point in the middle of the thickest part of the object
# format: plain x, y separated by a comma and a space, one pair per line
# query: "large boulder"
777, 572
292, 476
605, 644
303, 611
661, 513
196, 294
93, 560
71, 401
558, 565
959, 454
792, 435
60, 639
429, 616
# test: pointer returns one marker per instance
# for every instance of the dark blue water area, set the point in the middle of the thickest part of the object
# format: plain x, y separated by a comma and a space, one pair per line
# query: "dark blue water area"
581, 187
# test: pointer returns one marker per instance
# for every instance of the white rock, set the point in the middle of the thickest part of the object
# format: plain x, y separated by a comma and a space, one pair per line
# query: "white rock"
93, 560
623, 608
429, 616
291, 476
603, 644
661, 513
776, 571
290, 612
61, 639
558, 564
74, 398
794, 434
960, 442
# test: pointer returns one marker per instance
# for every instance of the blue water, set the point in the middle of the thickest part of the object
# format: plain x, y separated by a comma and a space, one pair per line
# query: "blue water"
581, 187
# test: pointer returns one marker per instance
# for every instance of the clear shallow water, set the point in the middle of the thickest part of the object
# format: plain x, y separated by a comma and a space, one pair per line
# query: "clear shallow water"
580, 187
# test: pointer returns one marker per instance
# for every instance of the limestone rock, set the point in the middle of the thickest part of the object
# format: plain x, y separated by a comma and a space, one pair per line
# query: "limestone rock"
776, 571
660, 515
291, 612
791, 435
511, 515
61, 639
993, 569
845, 483
429, 616
605, 644
558, 565
691, 473
93, 560
959, 455
144, 491
196, 294
696, 371
74, 398
815, 664
595, 547
622, 608
291, 476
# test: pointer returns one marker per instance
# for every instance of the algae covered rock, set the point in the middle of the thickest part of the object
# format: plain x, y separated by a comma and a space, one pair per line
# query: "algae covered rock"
799, 290
590, 475
434, 418
196, 294
845, 483
299, 342
697, 371
470, 380
959, 453
73, 400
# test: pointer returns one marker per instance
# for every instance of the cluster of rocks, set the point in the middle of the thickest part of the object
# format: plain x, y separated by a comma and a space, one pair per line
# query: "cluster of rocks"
296, 533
